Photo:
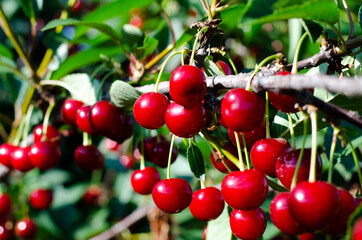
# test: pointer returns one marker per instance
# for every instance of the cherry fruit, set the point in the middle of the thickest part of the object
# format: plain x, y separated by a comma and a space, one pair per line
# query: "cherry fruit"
219, 165
92, 194
282, 102
245, 190
5, 204
187, 86
357, 230
265, 153
242, 110
250, 137
82, 120
41, 199
5, 150
144, 180
156, 151
52, 134
44, 155
248, 225
224, 67
69, 111
88, 158
184, 122
287, 162
6, 233
149, 110
314, 205
20, 159
207, 204
172, 195
25, 228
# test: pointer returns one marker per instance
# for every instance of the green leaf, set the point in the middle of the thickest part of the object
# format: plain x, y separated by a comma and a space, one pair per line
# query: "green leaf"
196, 161
4, 51
65, 196
309, 11
360, 16
131, 36
96, 224
123, 95
149, 46
231, 16
187, 36
220, 227
211, 69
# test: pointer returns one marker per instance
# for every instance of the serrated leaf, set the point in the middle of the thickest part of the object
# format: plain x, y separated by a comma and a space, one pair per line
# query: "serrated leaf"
85, 89
211, 69
309, 11
219, 228
195, 159
149, 46
123, 95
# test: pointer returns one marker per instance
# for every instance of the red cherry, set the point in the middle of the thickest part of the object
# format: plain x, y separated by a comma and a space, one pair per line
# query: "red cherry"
5, 204
77, 7
225, 67
88, 158
5, 233
314, 205
127, 161
357, 230
20, 160
69, 111
106, 119
282, 102
280, 215
41, 199
348, 205
149, 110
82, 120
5, 150
245, 190
306, 236
184, 122
242, 110
156, 151
124, 132
207, 204
143, 180
250, 137
220, 165
248, 225
44, 155
92, 194
265, 153
52, 135
25, 228
172, 195
187, 86
286, 163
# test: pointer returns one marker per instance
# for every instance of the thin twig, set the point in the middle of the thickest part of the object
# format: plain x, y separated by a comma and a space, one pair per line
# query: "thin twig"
351, 25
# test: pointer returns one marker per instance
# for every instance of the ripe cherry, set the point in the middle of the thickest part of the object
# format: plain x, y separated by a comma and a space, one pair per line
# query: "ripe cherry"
280, 215
143, 180
41, 199
245, 190
282, 102
248, 225
6, 233
69, 111
242, 110
88, 158
250, 137
187, 86
156, 151
92, 194
5, 204
5, 150
207, 204
25, 228
225, 67
265, 153
184, 122
44, 155
286, 163
52, 134
357, 230
348, 205
149, 110
314, 205
125, 132
20, 160
172, 195
306, 236
219, 165
82, 119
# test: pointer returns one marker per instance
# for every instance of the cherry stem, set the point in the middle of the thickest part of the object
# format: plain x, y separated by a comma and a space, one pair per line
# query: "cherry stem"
26, 124
267, 123
331, 153
258, 67
231, 63
313, 160
195, 43
246, 151
170, 156
241, 162
85, 139
355, 158
202, 183
295, 176
351, 25
291, 129
46, 119
142, 161
19, 132
97, 70
296, 55
163, 67
96, 176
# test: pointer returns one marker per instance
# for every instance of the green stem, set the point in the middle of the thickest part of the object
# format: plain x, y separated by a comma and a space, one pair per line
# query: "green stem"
313, 161
163, 68
258, 67
276, 186
202, 182
241, 162
291, 129
19, 132
46, 119
331, 154
195, 44
85, 139
170, 157
267, 123
355, 158
232, 63
295, 61
26, 124
295, 176
246, 151
97, 70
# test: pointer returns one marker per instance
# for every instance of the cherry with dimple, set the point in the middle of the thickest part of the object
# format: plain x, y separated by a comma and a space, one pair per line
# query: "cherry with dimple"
143, 180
